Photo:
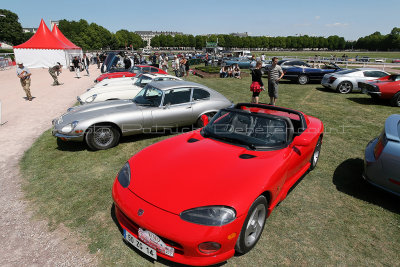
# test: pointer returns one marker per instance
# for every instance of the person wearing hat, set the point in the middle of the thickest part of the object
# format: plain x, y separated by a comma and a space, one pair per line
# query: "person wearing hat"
54, 71
24, 75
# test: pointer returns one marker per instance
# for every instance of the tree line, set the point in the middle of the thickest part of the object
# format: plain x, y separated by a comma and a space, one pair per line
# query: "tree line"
95, 37
230, 41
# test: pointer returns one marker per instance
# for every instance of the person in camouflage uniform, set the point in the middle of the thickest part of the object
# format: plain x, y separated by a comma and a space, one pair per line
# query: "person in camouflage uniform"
54, 71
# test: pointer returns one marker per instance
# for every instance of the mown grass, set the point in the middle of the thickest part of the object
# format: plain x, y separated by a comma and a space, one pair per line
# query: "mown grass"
332, 217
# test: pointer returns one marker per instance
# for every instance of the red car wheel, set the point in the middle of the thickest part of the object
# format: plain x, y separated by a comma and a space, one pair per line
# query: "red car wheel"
252, 226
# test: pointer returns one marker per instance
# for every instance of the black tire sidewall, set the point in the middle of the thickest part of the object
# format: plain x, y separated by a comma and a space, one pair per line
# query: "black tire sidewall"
395, 100
317, 146
240, 246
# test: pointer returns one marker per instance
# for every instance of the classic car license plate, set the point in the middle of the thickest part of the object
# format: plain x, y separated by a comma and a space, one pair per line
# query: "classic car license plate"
140, 245
155, 242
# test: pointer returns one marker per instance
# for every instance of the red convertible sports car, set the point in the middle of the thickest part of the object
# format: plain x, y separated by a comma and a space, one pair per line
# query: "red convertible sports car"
199, 197
387, 87
131, 73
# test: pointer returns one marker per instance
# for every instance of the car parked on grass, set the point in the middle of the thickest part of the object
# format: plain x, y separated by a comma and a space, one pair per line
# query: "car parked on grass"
387, 87
126, 90
158, 106
242, 62
382, 157
199, 197
346, 81
304, 74
132, 72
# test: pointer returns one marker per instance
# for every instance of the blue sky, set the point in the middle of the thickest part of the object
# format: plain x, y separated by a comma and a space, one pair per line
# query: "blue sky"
348, 18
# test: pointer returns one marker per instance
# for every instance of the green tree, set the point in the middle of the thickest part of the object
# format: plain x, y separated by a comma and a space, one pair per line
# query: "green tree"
10, 28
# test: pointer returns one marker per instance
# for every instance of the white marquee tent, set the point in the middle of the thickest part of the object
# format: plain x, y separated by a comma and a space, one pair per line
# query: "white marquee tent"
46, 48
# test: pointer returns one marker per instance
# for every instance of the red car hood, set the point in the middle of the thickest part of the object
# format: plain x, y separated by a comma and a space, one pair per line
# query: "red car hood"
115, 74
176, 175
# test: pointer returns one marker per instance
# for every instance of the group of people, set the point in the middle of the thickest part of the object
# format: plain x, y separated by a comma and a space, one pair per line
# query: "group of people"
230, 71
79, 63
275, 74
24, 74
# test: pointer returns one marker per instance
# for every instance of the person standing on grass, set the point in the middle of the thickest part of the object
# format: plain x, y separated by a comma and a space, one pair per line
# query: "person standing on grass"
275, 74
24, 76
75, 62
257, 85
54, 72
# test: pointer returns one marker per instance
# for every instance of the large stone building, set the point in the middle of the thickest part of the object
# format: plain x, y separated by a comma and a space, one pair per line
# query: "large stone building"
147, 35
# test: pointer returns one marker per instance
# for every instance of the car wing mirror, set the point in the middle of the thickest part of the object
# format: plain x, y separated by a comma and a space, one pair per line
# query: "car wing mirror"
300, 141
166, 106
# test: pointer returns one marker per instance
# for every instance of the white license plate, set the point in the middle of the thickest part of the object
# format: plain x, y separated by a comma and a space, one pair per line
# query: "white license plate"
140, 245
154, 241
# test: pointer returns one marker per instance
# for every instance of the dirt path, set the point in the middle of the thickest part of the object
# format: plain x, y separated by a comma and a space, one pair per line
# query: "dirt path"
24, 240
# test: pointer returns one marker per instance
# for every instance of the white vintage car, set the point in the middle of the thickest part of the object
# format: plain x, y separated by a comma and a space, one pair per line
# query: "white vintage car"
124, 89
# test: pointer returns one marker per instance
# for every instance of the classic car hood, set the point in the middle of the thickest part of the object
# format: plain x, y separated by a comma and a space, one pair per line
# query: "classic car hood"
108, 89
97, 109
176, 175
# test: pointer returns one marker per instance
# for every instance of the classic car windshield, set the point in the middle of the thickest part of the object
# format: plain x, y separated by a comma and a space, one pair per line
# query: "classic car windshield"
142, 81
149, 96
253, 130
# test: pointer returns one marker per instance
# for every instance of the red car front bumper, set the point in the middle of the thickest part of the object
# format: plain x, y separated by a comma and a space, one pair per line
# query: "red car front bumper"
183, 236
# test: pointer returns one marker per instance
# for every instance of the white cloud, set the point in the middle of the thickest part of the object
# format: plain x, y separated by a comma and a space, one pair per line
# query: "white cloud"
317, 17
337, 24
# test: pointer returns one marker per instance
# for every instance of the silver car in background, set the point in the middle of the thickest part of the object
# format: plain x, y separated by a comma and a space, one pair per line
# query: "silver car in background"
158, 106
382, 157
346, 81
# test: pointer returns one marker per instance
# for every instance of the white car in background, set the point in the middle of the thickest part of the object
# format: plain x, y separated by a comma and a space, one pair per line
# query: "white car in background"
122, 90
347, 80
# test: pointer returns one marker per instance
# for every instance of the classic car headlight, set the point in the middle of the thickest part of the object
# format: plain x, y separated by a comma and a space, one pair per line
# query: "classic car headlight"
91, 98
124, 176
210, 215
69, 127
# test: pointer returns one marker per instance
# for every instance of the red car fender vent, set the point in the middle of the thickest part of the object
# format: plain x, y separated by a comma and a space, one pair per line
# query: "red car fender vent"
192, 140
247, 156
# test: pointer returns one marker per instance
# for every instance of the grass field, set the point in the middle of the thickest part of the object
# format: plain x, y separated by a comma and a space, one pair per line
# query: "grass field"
332, 217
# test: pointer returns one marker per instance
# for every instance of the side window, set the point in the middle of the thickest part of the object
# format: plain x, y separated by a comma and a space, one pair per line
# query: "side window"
177, 96
200, 94
154, 70
375, 74
380, 74
146, 69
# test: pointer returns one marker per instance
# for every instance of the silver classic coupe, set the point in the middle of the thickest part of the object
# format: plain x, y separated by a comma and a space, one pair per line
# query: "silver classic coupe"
158, 106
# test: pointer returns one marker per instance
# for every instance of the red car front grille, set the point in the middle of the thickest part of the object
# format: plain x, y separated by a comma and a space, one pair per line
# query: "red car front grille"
133, 228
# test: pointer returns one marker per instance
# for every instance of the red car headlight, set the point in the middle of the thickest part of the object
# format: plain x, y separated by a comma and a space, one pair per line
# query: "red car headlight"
124, 176
210, 215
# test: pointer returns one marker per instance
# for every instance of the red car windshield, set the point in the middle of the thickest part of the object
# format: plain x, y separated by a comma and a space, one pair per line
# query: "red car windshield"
254, 130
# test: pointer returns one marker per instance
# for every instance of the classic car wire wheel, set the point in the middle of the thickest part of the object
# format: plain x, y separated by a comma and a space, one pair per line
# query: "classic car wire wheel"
255, 225
103, 136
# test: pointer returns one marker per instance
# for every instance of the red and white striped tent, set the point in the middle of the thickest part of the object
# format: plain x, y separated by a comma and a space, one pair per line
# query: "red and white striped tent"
46, 48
